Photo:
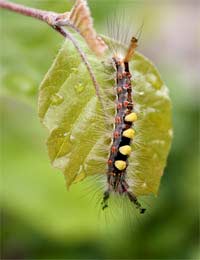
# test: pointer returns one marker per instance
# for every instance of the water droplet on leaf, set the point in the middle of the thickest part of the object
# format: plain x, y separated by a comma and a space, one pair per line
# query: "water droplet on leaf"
57, 99
75, 70
141, 93
71, 138
151, 78
79, 88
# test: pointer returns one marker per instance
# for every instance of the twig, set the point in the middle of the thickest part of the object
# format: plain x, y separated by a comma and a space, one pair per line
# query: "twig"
51, 19
45, 16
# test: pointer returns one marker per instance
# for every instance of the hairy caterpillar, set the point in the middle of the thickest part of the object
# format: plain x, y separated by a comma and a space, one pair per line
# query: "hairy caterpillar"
123, 131
82, 140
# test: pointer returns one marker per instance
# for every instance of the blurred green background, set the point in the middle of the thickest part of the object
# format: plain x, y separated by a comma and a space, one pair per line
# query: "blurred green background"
40, 219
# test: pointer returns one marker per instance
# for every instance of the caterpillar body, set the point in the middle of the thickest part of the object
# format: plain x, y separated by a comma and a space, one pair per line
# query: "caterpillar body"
123, 131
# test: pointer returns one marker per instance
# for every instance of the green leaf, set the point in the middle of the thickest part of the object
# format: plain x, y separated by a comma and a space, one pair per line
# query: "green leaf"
80, 130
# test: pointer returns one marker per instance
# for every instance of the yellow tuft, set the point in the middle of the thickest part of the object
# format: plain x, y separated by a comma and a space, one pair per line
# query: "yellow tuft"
125, 150
132, 117
129, 133
120, 165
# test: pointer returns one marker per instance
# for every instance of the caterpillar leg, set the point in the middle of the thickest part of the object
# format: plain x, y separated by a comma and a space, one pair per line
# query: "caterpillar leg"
133, 199
106, 196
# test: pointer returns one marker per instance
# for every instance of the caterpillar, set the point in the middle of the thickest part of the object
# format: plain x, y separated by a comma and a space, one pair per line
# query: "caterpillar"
122, 132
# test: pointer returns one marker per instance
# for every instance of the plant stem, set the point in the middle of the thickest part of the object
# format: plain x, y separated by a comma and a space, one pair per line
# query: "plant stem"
42, 15
51, 19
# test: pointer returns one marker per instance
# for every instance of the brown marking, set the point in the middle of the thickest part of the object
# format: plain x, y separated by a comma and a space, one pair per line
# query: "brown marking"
119, 75
81, 19
118, 120
131, 49
128, 85
119, 90
114, 149
127, 126
126, 103
119, 105
110, 162
116, 134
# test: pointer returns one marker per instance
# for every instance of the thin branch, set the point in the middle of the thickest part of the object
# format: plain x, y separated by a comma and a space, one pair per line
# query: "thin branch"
45, 16
54, 20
